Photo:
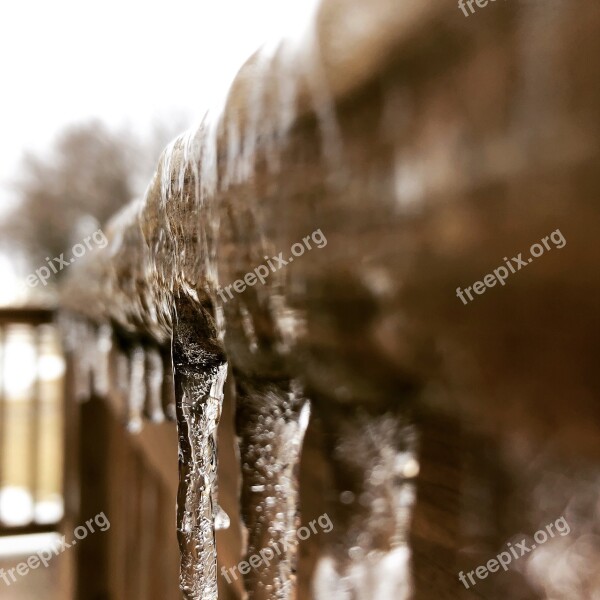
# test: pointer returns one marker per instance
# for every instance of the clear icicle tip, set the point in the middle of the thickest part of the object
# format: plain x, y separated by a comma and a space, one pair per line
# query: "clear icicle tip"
222, 520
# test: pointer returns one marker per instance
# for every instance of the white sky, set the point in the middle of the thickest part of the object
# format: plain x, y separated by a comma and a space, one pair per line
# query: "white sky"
127, 62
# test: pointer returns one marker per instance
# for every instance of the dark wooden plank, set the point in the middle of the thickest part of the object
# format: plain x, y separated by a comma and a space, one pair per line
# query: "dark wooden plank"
93, 553
31, 528
29, 316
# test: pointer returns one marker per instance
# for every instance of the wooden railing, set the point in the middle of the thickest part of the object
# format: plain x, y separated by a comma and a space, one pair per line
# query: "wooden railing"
125, 472
424, 147
52, 425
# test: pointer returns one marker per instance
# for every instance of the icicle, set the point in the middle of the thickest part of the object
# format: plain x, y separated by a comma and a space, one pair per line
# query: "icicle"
137, 390
83, 360
271, 422
101, 365
200, 372
169, 404
222, 520
154, 385
120, 379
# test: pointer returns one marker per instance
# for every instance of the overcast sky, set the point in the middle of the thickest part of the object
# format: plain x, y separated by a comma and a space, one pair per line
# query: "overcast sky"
127, 62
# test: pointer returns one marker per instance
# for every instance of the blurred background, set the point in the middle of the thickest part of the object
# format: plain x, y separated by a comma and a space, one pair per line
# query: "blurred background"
92, 93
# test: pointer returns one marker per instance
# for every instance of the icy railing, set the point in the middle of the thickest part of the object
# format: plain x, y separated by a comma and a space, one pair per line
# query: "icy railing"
163, 260
371, 129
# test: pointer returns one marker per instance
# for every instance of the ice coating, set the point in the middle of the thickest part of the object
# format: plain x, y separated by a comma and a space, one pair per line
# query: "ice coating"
154, 384
83, 367
104, 344
353, 129
137, 389
200, 373
271, 423
287, 79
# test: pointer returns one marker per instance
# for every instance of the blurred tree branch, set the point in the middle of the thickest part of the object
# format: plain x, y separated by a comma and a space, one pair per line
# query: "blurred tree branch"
88, 175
